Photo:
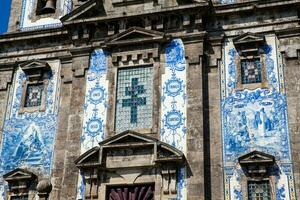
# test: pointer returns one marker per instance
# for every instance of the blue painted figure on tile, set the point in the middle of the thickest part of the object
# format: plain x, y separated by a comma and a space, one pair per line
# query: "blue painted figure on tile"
255, 119
28, 138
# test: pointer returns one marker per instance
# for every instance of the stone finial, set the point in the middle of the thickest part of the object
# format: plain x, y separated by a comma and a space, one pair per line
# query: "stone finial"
44, 187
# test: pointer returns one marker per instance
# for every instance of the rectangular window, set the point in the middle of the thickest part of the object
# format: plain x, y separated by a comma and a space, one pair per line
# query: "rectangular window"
19, 197
134, 98
259, 190
34, 94
251, 71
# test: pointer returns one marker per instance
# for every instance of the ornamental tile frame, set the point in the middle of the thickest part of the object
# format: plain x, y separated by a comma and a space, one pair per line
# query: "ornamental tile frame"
28, 13
255, 120
28, 137
95, 107
174, 106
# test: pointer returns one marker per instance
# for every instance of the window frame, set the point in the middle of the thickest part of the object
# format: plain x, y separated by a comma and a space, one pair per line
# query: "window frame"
245, 179
259, 181
18, 195
251, 86
154, 72
40, 108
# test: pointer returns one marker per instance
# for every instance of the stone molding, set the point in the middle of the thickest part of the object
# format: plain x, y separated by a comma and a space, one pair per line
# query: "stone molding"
146, 157
21, 182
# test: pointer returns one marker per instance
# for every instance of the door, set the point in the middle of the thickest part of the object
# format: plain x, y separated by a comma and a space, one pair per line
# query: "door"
127, 192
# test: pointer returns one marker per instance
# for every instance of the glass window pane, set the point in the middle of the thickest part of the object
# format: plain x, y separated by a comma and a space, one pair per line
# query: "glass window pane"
19, 198
251, 71
34, 94
259, 190
134, 98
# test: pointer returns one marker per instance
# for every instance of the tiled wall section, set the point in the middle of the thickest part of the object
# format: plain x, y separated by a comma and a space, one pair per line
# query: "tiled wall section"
28, 8
255, 120
95, 106
174, 104
28, 138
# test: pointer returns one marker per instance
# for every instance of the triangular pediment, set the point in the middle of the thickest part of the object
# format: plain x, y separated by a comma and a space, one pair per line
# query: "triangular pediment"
133, 143
34, 64
135, 35
89, 9
256, 157
18, 174
248, 38
127, 137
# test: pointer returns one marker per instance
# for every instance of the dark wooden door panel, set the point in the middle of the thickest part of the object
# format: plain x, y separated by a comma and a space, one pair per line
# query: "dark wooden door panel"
138, 192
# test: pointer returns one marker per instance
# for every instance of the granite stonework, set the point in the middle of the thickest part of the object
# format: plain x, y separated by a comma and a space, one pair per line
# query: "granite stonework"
202, 119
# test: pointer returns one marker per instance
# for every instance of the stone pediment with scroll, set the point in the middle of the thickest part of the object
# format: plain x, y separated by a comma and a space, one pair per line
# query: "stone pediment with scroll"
105, 9
256, 157
136, 35
89, 9
248, 37
19, 174
20, 180
129, 149
249, 43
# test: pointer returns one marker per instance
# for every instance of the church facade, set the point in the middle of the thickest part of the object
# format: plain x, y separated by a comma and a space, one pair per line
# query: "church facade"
150, 100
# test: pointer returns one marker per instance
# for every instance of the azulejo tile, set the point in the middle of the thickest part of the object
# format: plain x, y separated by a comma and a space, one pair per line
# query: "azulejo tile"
254, 119
28, 138
95, 107
173, 103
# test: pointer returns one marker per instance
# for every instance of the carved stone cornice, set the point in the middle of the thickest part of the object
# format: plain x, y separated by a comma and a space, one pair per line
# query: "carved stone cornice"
129, 144
136, 35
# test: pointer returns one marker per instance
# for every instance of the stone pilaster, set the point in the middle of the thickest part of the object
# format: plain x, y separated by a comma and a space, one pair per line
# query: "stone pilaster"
195, 154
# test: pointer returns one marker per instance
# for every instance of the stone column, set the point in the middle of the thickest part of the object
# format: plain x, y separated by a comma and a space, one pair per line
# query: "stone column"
73, 130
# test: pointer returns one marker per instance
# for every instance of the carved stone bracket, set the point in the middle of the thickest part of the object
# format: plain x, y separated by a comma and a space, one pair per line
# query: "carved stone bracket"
169, 180
91, 178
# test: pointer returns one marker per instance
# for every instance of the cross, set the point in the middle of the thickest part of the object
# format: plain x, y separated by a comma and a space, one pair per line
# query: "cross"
134, 101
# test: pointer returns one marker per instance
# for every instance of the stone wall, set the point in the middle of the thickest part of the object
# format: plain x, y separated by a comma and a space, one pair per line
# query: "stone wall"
292, 87
203, 55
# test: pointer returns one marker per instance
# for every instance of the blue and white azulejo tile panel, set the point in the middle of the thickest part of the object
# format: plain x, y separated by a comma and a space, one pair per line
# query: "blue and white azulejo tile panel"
28, 11
174, 105
254, 119
96, 97
95, 106
28, 138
